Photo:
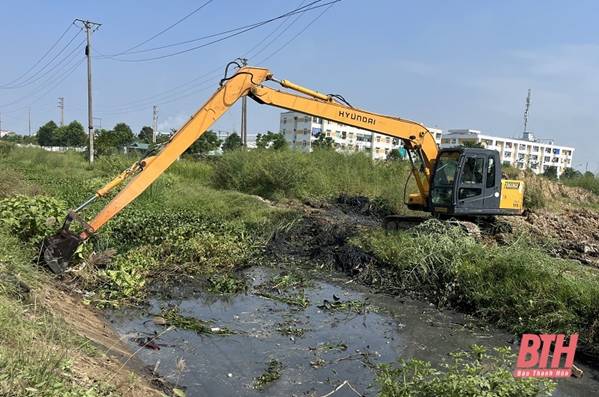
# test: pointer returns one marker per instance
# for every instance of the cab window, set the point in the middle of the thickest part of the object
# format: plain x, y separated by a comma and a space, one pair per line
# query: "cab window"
491, 172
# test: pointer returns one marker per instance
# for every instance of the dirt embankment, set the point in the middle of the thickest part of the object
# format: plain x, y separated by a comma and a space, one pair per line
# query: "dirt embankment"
571, 233
111, 362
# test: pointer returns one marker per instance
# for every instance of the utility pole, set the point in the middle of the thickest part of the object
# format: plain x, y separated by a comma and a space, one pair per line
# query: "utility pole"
61, 107
29, 117
154, 123
244, 112
89, 27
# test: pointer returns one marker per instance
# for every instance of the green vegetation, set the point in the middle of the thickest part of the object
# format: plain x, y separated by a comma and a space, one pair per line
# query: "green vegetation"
469, 374
320, 175
174, 318
271, 140
36, 347
272, 373
588, 180
72, 134
518, 286
232, 142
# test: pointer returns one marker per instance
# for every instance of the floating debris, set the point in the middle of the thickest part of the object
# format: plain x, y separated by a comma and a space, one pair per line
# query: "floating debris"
337, 304
272, 373
174, 318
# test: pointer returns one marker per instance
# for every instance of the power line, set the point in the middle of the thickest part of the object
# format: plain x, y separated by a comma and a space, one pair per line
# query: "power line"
164, 30
251, 27
297, 34
212, 35
45, 83
40, 59
174, 94
66, 75
32, 79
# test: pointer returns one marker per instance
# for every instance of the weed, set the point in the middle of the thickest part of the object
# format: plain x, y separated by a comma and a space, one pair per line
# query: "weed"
225, 284
332, 346
356, 306
174, 318
288, 329
469, 374
31, 217
272, 373
299, 299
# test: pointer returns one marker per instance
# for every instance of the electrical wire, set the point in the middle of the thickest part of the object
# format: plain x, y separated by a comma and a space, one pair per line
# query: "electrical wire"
165, 29
40, 59
221, 33
331, 4
49, 89
35, 77
237, 33
48, 81
174, 94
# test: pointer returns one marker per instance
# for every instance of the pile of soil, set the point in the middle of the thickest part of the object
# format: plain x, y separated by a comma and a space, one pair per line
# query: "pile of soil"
556, 191
573, 232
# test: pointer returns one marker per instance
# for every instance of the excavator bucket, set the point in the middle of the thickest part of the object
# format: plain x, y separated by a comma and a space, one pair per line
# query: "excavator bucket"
57, 250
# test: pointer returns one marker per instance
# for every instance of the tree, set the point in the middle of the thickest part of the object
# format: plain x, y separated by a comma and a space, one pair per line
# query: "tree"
570, 173
271, 140
232, 142
208, 142
324, 142
123, 134
45, 135
589, 174
145, 135
71, 135
550, 172
394, 154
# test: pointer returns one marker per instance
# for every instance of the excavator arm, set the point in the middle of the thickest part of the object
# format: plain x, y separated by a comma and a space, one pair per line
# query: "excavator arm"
247, 81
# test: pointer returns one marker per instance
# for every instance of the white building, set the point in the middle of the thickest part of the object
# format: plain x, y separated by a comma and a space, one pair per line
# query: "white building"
300, 130
523, 153
4, 133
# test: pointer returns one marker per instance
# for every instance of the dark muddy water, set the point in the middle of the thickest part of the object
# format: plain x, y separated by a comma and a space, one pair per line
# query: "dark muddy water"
335, 347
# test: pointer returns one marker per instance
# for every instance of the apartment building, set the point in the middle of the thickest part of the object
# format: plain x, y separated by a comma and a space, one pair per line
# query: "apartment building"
300, 130
524, 153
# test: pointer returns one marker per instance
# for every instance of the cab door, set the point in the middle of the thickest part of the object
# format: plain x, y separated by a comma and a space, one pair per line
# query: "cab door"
471, 184
492, 182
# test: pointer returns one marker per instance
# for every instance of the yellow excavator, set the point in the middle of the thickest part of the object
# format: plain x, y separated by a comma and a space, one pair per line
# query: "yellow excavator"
456, 182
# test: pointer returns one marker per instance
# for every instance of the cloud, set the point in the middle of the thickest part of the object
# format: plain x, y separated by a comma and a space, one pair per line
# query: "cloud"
170, 122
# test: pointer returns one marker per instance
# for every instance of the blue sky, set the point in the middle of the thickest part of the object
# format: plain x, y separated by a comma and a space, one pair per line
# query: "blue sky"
450, 64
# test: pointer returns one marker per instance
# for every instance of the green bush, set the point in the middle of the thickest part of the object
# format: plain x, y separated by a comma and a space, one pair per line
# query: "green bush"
322, 174
534, 198
31, 217
469, 374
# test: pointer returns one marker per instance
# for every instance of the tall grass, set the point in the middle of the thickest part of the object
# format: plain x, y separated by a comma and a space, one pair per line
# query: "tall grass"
36, 348
517, 286
587, 181
321, 174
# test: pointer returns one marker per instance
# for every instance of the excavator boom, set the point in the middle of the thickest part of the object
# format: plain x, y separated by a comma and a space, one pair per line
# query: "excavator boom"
247, 81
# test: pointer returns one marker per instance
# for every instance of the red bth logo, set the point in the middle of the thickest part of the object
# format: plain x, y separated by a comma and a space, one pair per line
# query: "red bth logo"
537, 360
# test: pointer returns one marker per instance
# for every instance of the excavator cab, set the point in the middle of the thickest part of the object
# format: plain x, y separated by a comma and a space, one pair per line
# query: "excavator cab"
468, 182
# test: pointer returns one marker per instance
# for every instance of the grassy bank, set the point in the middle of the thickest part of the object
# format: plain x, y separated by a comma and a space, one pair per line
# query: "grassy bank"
517, 286
37, 349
